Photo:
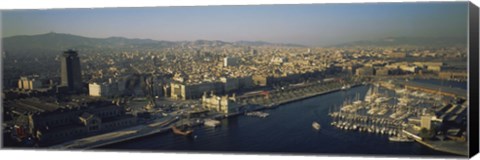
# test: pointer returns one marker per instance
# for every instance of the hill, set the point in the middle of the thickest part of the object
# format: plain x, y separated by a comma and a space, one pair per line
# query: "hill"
408, 41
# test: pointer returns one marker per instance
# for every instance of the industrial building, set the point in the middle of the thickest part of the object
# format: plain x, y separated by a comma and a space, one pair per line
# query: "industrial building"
49, 121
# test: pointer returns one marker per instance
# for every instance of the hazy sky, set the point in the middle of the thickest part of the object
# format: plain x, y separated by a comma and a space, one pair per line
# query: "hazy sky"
318, 24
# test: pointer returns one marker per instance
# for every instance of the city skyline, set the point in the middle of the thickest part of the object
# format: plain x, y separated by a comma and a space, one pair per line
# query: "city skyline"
362, 79
312, 25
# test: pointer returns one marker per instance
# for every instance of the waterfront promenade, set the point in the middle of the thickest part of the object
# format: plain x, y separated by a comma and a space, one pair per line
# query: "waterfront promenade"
288, 95
446, 146
157, 126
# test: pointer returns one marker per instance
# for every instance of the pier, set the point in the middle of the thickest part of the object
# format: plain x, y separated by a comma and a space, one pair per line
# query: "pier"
364, 123
446, 146
452, 147
159, 126
271, 99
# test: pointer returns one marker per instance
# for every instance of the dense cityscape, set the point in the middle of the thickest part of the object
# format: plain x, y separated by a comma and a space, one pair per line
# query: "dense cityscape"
199, 83
404, 95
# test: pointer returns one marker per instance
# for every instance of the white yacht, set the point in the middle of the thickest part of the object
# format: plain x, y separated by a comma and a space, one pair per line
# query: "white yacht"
211, 123
400, 139
316, 125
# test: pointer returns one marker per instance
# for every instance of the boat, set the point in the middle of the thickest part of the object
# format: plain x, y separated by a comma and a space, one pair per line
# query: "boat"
400, 139
211, 122
357, 101
182, 131
258, 114
316, 125
382, 111
345, 87
370, 95
272, 105
381, 99
400, 91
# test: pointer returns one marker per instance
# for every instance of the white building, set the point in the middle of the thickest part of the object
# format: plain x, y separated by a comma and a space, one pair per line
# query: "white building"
408, 68
29, 82
222, 104
279, 60
95, 89
426, 122
101, 89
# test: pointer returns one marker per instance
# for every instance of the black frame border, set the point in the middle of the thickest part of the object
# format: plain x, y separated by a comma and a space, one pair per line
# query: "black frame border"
473, 48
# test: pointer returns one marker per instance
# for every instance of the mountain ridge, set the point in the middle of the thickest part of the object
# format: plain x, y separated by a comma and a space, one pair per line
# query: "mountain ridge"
408, 41
61, 41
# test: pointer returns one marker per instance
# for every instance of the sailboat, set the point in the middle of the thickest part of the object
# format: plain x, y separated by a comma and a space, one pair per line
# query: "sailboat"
370, 95
316, 125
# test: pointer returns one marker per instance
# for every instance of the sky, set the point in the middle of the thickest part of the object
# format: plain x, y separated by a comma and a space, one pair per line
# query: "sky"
306, 24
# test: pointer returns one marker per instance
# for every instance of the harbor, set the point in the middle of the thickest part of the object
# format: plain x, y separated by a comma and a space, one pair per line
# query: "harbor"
363, 110
348, 80
170, 123
264, 136
417, 112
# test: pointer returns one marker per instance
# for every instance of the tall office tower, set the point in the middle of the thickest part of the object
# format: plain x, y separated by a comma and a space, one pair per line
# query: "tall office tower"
70, 70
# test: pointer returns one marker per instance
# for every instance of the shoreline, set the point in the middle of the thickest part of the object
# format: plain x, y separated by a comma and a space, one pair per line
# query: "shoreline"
150, 129
442, 149
295, 99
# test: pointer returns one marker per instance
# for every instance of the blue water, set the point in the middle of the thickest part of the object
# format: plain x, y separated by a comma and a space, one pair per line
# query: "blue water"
287, 130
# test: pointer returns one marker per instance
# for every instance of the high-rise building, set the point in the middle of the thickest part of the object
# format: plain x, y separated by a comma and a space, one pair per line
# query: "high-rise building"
230, 61
70, 71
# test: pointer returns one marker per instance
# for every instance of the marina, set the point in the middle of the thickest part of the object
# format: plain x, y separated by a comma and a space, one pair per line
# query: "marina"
398, 111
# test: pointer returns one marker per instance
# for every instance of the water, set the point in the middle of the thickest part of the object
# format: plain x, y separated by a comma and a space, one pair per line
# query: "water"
287, 130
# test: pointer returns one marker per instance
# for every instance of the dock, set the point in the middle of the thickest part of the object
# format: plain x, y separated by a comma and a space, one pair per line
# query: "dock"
297, 93
159, 126
446, 146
